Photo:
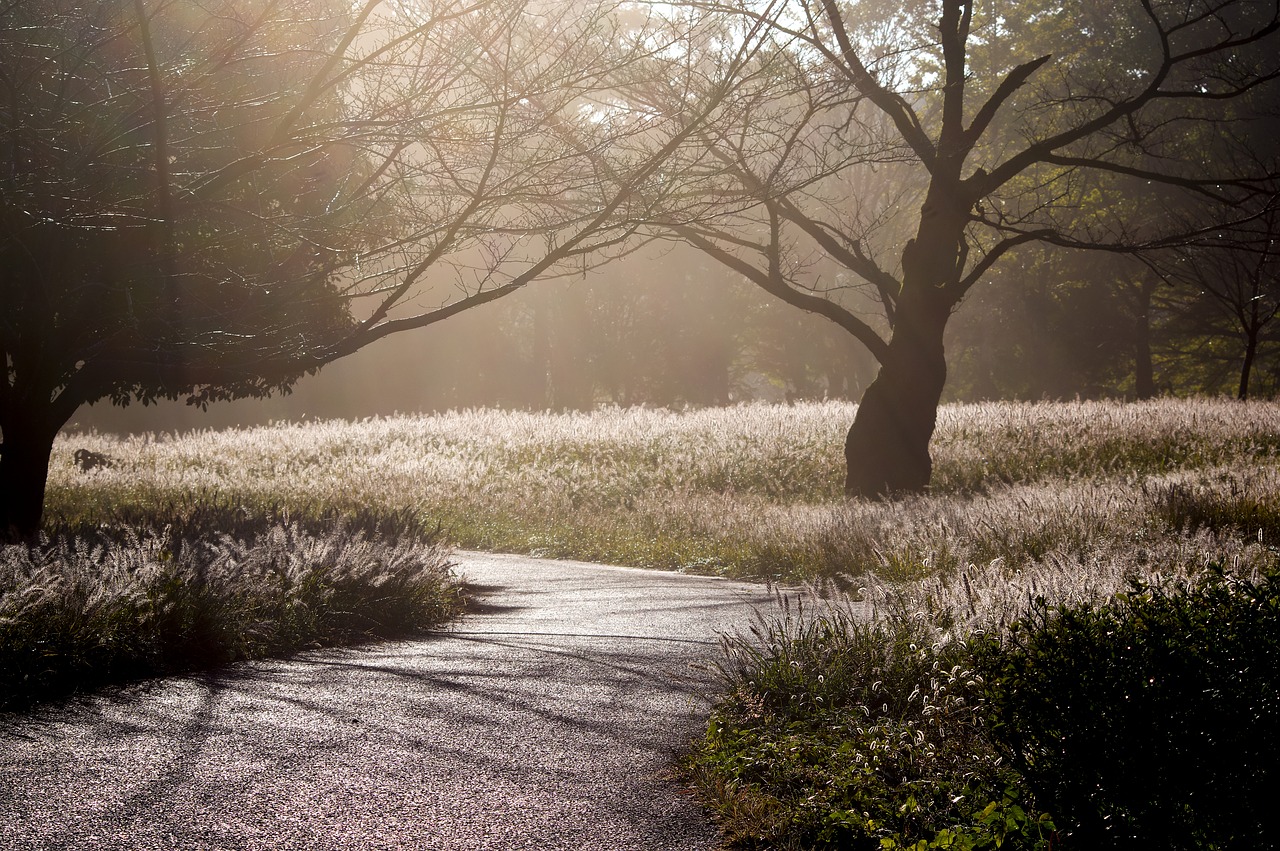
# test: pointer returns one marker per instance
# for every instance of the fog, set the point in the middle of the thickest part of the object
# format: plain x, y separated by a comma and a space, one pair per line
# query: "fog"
670, 328
666, 328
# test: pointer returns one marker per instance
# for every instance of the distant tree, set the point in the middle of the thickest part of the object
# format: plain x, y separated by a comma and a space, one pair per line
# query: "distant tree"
645, 329
1227, 285
1052, 323
919, 145
208, 200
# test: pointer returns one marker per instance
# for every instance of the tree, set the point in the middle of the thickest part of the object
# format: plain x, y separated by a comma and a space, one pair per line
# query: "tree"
208, 200
1231, 285
920, 145
1053, 323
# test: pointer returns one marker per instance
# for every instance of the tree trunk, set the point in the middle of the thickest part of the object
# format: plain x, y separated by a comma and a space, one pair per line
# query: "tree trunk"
1250, 352
887, 450
24, 473
540, 369
1144, 379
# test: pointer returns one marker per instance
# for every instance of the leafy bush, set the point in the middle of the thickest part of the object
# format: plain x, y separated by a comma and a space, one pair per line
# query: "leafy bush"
1149, 721
842, 733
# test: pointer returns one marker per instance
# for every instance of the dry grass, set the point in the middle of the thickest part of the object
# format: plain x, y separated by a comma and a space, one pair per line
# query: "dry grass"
188, 588
1082, 493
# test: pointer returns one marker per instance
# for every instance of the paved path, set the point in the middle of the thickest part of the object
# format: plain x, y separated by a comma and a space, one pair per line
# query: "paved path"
546, 721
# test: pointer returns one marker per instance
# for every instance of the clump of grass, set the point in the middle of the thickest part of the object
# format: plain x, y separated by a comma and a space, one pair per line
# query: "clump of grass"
844, 731
84, 607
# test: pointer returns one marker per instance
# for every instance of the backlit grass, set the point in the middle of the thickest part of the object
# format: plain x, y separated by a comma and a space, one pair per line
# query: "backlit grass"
190, 586
748, 491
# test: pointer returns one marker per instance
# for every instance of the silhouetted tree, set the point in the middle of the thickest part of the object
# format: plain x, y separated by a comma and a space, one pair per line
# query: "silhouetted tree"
1229, 285
919, 145
207, 200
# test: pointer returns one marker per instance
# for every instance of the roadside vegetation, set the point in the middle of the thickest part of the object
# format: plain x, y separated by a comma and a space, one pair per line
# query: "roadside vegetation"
1074, 566
186, 586
749, 491
1140, 721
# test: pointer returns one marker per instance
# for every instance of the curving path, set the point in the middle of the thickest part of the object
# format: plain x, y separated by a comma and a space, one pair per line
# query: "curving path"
546, 720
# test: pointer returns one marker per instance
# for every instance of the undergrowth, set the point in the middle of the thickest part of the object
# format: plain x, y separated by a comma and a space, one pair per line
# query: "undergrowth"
1147, 721
875, 720
1140, 720
750, 491
201, 585
844, 732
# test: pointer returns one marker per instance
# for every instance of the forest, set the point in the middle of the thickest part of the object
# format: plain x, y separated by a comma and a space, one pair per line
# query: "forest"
673, 330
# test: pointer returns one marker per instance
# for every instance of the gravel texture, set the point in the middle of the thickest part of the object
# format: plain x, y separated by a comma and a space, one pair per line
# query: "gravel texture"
547, 719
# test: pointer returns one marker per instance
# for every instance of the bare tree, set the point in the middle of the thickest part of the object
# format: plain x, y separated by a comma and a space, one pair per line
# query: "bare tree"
208, 200
1227, 284
918, 145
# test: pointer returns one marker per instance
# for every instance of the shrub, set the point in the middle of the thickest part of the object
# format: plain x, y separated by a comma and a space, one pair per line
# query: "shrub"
838, 732
1148, 721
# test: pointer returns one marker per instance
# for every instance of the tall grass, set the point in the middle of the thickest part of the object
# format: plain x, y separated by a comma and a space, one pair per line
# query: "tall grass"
747, 491
197, 586
853, 720
839, 730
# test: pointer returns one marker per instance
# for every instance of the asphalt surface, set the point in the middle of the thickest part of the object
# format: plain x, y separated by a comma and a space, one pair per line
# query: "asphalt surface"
548, 719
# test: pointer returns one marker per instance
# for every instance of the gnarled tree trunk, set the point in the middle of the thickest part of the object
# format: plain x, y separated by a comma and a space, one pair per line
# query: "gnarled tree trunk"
1246, 366
887, 450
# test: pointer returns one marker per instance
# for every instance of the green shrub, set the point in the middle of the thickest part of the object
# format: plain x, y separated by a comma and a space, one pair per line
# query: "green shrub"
841, 733
1147, 722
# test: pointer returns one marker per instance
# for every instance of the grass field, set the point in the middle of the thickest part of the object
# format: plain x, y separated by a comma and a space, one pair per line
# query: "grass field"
1040, 494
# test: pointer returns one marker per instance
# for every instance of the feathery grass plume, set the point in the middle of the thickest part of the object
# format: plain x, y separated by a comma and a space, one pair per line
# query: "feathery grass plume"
95, 605
843, 730
752, 490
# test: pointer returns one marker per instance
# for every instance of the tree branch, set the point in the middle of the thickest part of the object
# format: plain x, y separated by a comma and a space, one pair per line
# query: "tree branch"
891, 104
773, 283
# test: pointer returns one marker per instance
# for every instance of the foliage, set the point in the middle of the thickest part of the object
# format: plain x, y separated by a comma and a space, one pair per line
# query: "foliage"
887, 160
1225, 298
189, 589
1050, 324
1027, 495
1147, 721
895, 721
839, 732
168, 273
205, 201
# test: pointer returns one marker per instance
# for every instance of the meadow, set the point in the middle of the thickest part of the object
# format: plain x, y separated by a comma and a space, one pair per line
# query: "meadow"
1048, 498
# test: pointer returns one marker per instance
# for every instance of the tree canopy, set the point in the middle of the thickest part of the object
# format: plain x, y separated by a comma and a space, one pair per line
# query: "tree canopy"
207, 200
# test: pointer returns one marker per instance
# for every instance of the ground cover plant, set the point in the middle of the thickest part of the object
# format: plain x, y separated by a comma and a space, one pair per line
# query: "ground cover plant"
1139, 721
191, 586
751, 491
840, 730
1147, 721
